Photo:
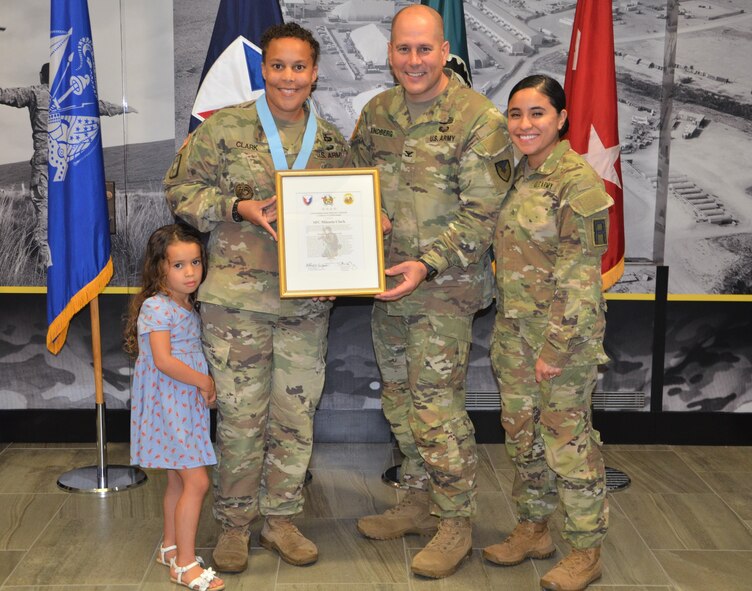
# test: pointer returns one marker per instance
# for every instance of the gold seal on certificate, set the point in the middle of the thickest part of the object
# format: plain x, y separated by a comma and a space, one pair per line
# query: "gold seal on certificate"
329, 233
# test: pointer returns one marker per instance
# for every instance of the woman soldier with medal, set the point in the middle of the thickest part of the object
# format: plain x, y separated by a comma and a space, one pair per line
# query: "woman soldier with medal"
266, 354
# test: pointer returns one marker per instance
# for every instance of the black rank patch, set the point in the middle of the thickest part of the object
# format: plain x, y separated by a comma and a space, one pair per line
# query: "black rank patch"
600, 232
504, 170
175, 168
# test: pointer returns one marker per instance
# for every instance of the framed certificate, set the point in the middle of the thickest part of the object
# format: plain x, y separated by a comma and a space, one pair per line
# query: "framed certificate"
329, 233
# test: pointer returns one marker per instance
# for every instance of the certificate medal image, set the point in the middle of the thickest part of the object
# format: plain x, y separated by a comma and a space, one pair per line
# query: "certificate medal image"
330, 238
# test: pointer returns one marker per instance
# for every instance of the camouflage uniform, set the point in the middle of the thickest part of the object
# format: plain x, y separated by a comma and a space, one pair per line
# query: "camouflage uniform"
266, 354
551, 233
37, 99
443, 178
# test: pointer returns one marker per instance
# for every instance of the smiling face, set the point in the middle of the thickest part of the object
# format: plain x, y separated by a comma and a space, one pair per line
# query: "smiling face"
183, 270
534, 124
418, 52
289, 72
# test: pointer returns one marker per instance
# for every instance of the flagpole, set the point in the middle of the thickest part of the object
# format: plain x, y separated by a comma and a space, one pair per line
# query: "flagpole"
100, 479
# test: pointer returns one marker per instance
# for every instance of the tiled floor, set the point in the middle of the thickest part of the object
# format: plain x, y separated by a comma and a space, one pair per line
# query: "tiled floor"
685, 524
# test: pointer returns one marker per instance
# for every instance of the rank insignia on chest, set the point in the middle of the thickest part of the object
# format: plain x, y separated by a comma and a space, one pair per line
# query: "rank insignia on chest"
243, 191
504, 170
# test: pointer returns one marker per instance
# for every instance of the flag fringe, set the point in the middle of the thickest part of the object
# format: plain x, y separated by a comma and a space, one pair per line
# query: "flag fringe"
58, 330
610, 277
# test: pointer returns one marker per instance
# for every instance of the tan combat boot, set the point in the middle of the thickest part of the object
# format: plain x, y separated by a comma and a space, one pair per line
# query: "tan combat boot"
280, 533
444, 554
231, 552
575, 571
411, 515
528, 540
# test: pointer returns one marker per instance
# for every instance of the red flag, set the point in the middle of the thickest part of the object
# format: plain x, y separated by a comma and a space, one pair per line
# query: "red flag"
590, 86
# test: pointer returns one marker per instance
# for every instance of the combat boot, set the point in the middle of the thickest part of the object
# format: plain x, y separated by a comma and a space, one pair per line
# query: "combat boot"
280, 533
444, 554
528, 540
231, 553
575, 571
411, 515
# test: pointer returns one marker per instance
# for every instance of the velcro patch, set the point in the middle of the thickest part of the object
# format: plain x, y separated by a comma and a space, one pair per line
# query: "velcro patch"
175, 168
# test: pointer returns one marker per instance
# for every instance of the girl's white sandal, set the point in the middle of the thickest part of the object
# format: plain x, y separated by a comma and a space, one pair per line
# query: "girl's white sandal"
200, 583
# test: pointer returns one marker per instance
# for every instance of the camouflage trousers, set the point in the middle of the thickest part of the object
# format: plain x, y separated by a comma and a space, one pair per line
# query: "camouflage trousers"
423, 363
269, 372
550, 437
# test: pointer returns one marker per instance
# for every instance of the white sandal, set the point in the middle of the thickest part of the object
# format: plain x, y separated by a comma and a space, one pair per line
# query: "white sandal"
200, 583
162, 560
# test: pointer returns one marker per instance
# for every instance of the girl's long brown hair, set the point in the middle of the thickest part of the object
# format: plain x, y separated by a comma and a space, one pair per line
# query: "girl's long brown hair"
153, 275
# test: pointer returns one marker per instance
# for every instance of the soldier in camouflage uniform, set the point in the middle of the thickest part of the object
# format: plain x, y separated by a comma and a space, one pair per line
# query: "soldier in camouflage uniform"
548, 338
37, 99
266, 354
446, 163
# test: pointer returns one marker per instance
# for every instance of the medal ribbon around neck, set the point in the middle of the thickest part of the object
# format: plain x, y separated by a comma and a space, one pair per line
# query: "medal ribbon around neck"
275, 143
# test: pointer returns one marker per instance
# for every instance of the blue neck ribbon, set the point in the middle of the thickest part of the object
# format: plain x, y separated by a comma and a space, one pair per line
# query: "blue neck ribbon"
275, 143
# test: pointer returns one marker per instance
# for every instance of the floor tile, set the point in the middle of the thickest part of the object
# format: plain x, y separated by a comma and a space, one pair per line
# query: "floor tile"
626, 558
346, 557
704, 522
693, 570
89, 552
77, 587
346, 494
366, 457
260, 576
497, 453
656, 471
647, 517
37, 470
494, 519
9, 559
475, 574
24, 516
485, 474
734, 488
344, 587
708, 458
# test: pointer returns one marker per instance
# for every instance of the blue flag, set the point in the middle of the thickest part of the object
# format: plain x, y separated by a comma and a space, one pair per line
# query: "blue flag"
453, 13
232, 70
78, 227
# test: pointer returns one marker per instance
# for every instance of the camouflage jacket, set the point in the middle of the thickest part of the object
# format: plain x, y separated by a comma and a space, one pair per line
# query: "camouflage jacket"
551, 234
226, 152
443, 179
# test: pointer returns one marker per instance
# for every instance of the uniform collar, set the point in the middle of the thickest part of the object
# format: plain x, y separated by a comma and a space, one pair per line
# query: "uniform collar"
550, 164
439, 111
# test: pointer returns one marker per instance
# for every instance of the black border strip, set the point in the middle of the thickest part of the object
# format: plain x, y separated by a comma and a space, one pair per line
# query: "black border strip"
622, 427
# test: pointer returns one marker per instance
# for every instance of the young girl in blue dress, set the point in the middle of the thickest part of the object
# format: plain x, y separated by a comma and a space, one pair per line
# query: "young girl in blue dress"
172, 392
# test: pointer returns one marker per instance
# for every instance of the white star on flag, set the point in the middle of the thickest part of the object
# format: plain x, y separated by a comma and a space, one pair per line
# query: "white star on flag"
602, 159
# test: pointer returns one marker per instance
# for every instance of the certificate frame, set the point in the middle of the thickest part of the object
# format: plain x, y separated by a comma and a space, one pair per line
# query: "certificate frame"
329, 235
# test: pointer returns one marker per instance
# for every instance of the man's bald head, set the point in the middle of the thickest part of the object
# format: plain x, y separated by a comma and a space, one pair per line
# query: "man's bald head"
416, 13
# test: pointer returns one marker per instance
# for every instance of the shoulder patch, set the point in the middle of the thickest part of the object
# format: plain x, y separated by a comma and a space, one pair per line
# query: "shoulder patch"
591, 201
503, 169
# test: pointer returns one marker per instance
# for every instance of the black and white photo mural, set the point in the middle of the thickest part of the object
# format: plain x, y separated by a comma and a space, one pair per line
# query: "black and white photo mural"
685, 113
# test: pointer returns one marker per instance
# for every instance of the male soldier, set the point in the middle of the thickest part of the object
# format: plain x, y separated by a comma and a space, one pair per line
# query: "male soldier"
446, 164
37, 99
266, 354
